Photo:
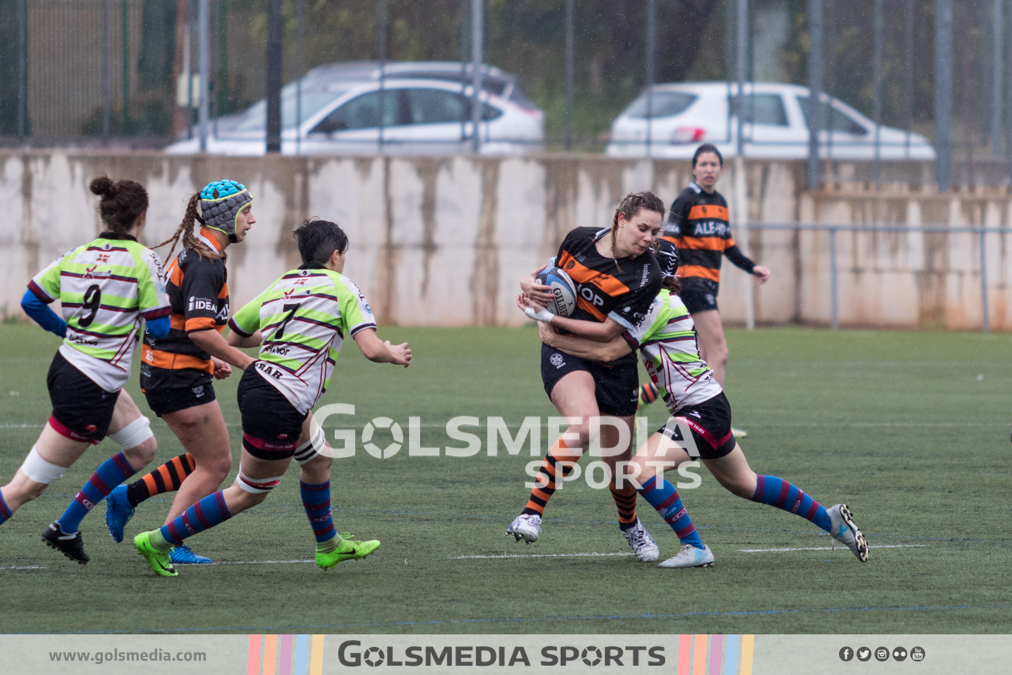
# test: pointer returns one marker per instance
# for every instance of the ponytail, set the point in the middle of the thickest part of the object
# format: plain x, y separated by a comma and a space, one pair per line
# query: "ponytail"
185, 231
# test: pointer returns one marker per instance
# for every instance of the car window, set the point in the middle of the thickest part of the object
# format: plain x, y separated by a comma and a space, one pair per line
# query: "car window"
664, 104
363, 112
433, 106
255, 117
839, 121
765, 109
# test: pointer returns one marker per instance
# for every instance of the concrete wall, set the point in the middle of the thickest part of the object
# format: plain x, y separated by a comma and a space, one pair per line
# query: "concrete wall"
443, 241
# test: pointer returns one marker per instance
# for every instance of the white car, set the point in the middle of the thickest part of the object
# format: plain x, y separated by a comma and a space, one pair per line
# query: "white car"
775, 125
426, 109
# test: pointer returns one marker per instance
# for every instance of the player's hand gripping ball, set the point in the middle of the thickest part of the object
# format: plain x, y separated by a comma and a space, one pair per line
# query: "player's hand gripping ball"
562, 287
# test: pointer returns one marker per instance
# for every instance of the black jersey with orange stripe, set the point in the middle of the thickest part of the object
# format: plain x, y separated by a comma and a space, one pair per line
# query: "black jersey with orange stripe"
699, 226
197, 287
621, 289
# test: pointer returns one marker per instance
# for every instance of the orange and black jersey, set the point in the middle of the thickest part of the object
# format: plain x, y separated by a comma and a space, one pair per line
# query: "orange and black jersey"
198, 292
698, 226
621, 290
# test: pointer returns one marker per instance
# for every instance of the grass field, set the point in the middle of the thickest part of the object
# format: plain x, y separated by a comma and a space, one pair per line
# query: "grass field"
910, 428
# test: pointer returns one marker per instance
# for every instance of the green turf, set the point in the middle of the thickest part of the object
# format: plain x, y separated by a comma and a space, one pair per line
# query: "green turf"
910, 428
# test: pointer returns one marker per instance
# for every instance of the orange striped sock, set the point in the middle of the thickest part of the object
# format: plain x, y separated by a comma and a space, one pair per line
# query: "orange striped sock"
548, 475
625, 500
166, 478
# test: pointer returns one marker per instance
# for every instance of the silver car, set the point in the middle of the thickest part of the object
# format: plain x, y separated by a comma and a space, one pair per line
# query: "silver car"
415, 108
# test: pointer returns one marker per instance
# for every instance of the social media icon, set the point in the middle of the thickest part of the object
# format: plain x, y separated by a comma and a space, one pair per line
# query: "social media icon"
917, 654
882, 654
846, 654
863, 653
900, 654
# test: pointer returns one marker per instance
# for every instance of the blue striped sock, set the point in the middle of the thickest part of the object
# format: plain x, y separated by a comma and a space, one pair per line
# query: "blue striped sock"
203, 515
113, 471
316, 500
781, 494
662, 496
5, 512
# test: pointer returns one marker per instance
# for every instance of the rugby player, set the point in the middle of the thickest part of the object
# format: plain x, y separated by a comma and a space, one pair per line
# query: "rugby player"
177, 370
696, 401
106, 288
300, 323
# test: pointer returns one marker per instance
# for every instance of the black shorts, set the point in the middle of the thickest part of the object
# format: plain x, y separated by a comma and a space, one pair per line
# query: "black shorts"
271, 426
171, 400
617, 384
699, 295
710, 422
82, 410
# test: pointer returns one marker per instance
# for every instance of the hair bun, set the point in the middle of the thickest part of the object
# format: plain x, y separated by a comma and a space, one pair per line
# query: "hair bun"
102, 186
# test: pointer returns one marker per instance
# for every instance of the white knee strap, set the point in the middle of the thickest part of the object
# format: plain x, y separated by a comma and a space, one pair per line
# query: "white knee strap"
41, 471
311, 448
133, 434
257, 485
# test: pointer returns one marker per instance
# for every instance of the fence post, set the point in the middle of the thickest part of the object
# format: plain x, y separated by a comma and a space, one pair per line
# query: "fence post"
651, 69
983, 282
877, 57
383, 71
300, 67
569, 75
997, 77
943, 93
203, 21
126, 70
833, 288
741, 67
106, 89
22, 69
477, 40
815, 29
274, 55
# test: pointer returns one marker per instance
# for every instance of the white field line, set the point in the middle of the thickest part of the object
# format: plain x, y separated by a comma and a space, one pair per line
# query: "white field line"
824, 548
535, 555
256, 562
26, 567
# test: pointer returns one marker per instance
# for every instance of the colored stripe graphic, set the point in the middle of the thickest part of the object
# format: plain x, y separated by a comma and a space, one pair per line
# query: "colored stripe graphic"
270, 654
316, 665
301, 654
716, 644
699, 655
286, 655
253, 666
731, 655
747, 642
684, 647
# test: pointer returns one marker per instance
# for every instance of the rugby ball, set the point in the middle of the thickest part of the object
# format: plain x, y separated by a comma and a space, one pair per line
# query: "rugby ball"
562, 287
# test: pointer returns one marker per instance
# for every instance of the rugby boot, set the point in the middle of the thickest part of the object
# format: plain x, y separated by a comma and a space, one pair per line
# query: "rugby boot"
690, 556
642, 544
70, 545
845, 531
346, 549
159, 561
117, 512
526, 527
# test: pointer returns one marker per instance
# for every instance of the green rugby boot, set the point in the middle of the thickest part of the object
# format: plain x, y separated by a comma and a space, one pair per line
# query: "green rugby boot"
346, 549
159, 561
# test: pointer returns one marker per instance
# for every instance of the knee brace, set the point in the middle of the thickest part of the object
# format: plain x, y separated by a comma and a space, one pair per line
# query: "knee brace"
257, 485
133, 434
311, 448
41, 471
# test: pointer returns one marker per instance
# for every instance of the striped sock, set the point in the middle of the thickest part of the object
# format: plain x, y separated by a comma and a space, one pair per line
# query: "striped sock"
166, 478
203, 515
5, 512
662, 495
781, 494
113, 471
548, 475
316, 500
625, 501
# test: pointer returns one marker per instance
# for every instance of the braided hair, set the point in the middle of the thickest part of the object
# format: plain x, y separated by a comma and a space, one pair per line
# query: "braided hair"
185, 231
628, 208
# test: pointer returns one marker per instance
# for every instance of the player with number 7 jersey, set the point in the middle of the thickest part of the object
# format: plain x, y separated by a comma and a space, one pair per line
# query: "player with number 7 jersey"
300, 323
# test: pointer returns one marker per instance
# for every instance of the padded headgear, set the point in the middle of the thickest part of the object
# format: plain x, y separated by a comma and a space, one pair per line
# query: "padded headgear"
220, 203
667, 258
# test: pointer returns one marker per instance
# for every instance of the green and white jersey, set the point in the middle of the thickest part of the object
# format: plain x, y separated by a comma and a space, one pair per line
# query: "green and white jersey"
106, 288
303, 318
666, 338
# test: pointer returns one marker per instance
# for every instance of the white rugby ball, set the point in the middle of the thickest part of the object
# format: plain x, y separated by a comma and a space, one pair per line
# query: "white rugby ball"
562, 287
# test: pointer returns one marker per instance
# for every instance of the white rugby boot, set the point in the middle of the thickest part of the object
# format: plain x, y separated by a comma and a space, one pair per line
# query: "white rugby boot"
642, 544
845, 531
526, 526
690, 556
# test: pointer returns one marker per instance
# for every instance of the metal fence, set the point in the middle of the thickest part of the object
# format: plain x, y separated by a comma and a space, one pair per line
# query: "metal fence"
125, 73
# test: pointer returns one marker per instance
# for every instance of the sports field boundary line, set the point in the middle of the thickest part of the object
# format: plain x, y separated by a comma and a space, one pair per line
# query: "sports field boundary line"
616, 617
537, 555
825, 548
